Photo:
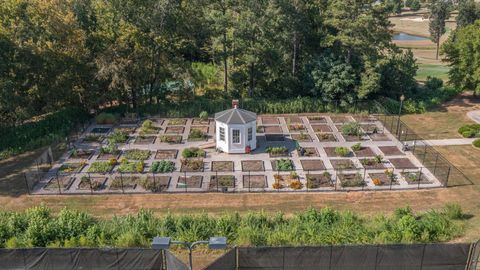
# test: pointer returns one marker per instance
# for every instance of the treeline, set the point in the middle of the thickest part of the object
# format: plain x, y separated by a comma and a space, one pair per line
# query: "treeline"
38, 227
92, 53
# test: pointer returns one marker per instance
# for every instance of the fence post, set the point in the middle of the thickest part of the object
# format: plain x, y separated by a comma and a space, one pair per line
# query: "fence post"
391, 178
90, 183
448, 176
26, 183
419, 177
58, 183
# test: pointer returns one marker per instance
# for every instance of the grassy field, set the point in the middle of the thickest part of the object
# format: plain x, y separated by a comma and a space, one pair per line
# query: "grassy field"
433, 70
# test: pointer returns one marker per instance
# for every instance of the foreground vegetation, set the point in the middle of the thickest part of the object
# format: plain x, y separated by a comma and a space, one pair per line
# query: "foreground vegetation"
38, 227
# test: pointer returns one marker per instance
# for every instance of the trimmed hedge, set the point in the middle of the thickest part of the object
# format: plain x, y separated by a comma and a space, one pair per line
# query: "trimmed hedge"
470, 131
476, 143
32, 135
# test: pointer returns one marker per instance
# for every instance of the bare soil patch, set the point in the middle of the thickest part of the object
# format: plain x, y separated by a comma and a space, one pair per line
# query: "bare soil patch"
220, 181
254, 181
270, 121
222, 166
402, 163
319, 180
145, 140
383, 179
272, 129
194, 181
326, 137
308, 152
342, 164
390, 150
303, 137
312, 164
293, 120
365, 152
252, 165
174, 130
166, 154
322, 128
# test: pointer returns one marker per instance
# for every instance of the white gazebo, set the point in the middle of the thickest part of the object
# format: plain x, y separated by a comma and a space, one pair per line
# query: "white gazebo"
236, 130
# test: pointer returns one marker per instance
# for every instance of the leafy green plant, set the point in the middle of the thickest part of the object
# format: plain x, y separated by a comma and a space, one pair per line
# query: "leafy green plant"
110, 148
283, 165
469, 131
454, 211
118, 136
197, 134
100, 167
105, 118
277, 151
171, 138
193, 152
162, 166
476, 143
203, 115
136, 154
130, 166
351, 129
342, 151
357, 147
148, 127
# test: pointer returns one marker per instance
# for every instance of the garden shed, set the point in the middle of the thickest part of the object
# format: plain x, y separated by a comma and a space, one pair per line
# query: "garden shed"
236, 130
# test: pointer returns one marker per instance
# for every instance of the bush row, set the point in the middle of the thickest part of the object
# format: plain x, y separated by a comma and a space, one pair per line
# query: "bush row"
32, 135
39, 227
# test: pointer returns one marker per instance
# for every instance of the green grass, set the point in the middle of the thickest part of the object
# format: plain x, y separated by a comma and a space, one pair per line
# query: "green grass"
439, 71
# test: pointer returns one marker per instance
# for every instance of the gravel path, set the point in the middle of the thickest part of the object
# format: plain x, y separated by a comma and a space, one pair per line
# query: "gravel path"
474, 115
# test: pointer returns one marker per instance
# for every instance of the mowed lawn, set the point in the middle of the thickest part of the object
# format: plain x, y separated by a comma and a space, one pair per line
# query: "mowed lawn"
432, 70
437, 125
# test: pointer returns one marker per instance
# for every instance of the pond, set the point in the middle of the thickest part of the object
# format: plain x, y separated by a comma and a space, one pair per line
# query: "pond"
403, 36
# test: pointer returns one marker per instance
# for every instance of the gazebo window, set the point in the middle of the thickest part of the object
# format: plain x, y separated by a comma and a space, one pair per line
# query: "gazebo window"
250, 133
235, 136
222, 134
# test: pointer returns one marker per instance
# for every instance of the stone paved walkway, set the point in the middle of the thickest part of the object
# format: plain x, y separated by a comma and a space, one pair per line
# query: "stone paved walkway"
474, 115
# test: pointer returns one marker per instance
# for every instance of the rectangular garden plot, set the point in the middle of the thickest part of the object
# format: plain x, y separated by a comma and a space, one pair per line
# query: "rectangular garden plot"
369, 128
390, 150
296, 128
317, 119
101, 167
198, 133
322, 128
92, 138
326, 137
252, 165
145, 140
217, 182
59, 182
108, 156
381, 179
194, 181
351, 138
278, 151
307, 152
402, 163
294, 120
254, 181
275, 137
136, 154
100, 130
312, 164
413, 178
71, 167
291, 180
351, 180
302, 137
198, 121
270, 121
177, 122
124, 182
379, 137
166, 154
155, 183
332, 152
319, 180
343, 164
174, 130
91, 183
272, 129
222, 166
125, 129
365, 152
81, 154
172, 139
282, 165
192, 165
371, 164
340, 119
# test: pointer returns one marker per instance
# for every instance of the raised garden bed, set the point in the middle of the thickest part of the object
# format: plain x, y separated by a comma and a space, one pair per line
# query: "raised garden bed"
174, 130
198, 121
148, 128
124, 182
364, 152
322, 128
92, 138
352, 138
319, 180
162, 166
390, 150
154, 183
293, 120
282, 165
177, 121
379, 137
254, 181
270, 121
136, 154
417, 177
317, 119
166, 154
336, 152
252, 165
369, 128
100, 130
145, 140
109, 156
194, 181
172, 139
362, 118
381, 179
371, 164
326, 137
342, 164
296, 128
275, 137
302, 137
277, 151
193, 152
402, 163
312, 164
291, 180
340, 119
91, 183
101, 166
222, 166
308, 152
118, 136
192, 165
59, 182
198, 133
272, 130
126, 166
351, 180
74, 167
221, 181
81, 154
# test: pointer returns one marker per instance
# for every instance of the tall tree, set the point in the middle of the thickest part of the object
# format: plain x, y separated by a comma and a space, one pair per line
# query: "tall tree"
439, 13
468, 12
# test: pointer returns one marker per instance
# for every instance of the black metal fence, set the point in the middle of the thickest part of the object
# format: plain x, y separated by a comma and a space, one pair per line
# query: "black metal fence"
358, 257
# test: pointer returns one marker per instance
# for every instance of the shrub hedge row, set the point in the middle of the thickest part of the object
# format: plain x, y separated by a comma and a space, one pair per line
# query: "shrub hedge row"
39, 227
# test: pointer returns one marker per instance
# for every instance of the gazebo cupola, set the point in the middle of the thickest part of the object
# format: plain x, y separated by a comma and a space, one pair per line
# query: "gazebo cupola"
236, 130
